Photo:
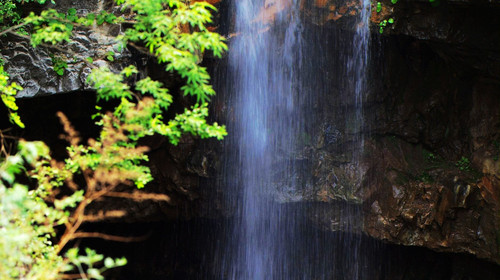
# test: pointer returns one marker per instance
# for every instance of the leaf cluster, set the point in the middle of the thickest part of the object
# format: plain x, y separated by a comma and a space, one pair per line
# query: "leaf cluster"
28, 218
58, 64
145, 116
463, 164
8, 93
113, 158
10, 10
54, 27
176, 33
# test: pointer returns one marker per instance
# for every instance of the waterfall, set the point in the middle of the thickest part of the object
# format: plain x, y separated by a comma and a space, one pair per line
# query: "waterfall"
357, 69
272, 112
266, 63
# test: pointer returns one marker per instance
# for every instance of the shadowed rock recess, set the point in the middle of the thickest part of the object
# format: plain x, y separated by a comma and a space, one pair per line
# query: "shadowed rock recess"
429, 175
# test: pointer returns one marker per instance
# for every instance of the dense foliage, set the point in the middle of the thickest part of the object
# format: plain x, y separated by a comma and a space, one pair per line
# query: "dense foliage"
9, 10
27, 220
175, 33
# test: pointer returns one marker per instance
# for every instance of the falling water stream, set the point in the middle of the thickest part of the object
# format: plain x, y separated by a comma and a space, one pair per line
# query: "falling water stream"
273, 106
267, 65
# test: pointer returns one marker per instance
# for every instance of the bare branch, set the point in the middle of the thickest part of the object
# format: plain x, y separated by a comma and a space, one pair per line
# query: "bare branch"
101, 215
70, 276
110, 237
140, 196
142, 50
12, 28
73, 226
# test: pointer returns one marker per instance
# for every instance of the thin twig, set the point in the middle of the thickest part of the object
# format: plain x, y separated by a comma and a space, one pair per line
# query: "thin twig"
73, 227
3, 143
12, 28
110, 237
140, 196
101, 215
70, 276
142, 50
41, 44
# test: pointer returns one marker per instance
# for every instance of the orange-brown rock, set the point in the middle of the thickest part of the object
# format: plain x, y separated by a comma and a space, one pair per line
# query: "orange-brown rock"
320, 3
271, 8
323, 11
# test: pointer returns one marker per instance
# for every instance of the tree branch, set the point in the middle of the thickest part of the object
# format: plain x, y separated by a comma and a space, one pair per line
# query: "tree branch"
110, 237
101, 215
12, 28
41, 44
142, 50
70, 276
72, 227
140, 196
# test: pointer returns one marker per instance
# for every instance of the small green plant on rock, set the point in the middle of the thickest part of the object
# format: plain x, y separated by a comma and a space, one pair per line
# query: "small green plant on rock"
58, 64
425, 178
384, 24
496, 143
463, 164
431, 157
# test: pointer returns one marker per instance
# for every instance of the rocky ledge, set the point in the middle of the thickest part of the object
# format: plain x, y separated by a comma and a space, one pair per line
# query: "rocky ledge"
430, 170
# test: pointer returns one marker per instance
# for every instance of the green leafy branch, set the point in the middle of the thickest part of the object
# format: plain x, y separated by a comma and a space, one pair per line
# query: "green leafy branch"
28, 219
177, 35
9, 10
147, 113
8, 94
54, 27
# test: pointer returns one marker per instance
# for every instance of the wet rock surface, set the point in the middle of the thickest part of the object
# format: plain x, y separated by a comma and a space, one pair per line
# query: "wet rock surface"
428, 173
33, 68
433, 178
430, 204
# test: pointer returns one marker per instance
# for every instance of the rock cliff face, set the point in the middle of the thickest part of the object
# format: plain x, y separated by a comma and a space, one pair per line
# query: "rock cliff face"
430, 170
32, 68
437, 153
